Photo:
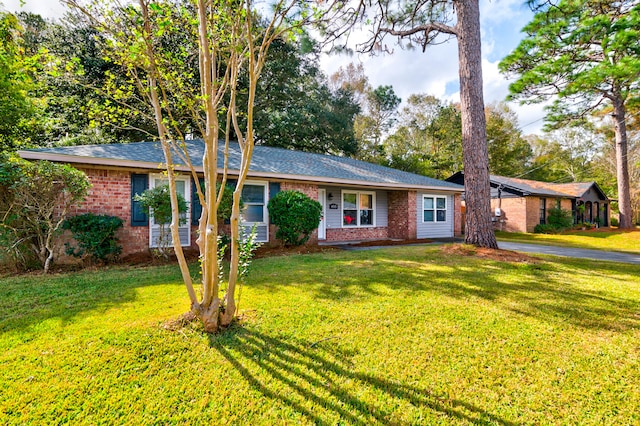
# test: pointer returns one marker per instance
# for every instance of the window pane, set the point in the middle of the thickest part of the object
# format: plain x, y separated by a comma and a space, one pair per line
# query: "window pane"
253, 213
441, 203
180, 185
349, 201
350, 217
366, 217
441, 216
366, 201
428, 215
253, 194
427, 203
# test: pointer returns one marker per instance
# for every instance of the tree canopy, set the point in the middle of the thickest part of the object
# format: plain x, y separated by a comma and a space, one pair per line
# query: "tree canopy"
585, 55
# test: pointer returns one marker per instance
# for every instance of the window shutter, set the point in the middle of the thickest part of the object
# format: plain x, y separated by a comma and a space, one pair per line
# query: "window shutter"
274, 188
196, 207
139, 183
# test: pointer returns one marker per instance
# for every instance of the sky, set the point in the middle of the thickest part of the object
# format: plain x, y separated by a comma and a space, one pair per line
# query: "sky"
434, 72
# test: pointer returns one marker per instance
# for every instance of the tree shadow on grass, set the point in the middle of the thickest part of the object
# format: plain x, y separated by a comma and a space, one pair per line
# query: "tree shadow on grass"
556, 291
319, 383
28, 300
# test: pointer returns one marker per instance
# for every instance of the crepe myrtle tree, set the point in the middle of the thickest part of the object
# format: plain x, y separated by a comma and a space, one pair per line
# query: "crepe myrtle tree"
187, 57
422, 23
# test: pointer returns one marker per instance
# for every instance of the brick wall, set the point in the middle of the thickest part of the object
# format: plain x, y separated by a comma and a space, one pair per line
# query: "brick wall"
514, 214
457, 215
355, 234
110, 194
311, 191
402, 214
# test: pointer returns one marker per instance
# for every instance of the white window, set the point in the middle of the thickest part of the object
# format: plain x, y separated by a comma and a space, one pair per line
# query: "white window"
255, 213
161, 231
254, 197
358, 208
434, 208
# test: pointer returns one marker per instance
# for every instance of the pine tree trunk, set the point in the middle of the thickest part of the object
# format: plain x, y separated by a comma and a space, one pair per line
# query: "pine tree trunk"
475, 156
622, 165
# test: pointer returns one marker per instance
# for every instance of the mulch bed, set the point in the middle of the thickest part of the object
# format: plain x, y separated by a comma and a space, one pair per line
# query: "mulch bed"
493, 254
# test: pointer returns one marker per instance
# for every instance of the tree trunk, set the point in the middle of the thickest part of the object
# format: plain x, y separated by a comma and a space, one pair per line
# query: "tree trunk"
475, 155
622, 164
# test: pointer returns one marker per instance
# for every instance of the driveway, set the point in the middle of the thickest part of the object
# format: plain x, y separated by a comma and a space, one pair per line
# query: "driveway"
571, 252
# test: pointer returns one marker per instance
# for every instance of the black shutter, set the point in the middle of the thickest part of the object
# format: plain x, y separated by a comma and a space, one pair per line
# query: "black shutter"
274, 188
196, 207
139, 183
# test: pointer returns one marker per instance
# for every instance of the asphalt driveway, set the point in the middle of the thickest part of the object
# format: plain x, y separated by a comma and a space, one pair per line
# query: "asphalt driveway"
571, 252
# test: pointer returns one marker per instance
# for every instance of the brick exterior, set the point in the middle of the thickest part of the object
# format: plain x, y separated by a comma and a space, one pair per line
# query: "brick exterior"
402, 214
355, 234
111, 194
514, 214
311, 191
457, 215
522, 214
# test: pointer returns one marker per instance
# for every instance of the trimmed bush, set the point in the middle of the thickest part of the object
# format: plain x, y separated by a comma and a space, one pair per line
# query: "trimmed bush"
560, 219
296, 216
95, 235
614, 221
546, 229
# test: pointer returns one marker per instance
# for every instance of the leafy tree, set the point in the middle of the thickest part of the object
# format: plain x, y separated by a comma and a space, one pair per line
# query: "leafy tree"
584, 54
421, 23
152, 41
34, 201
370, 127
18, 109
296, 109
428, 138
296, 216
509, 153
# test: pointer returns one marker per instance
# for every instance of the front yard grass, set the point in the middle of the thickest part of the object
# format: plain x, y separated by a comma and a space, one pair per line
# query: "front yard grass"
607, 240
404, 335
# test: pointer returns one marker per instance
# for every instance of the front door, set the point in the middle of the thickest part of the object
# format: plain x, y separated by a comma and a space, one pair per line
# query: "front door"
322, 228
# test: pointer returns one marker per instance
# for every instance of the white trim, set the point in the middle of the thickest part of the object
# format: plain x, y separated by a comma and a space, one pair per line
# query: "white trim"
265, 211
65, 158
358, 208
322, 227
435, 208
187, 196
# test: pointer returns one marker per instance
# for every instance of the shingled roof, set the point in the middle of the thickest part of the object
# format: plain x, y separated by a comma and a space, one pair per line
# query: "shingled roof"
524, 187
267, 162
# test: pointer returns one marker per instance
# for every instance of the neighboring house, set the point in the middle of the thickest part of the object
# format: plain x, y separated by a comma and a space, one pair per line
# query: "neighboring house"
518, 205
360, 200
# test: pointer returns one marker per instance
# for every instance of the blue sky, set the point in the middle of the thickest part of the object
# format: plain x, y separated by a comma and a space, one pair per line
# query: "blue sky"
434, 72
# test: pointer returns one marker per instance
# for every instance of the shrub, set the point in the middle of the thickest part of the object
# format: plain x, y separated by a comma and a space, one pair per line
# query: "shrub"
560, 219
614, 221
296, 216
545, 229
96, 236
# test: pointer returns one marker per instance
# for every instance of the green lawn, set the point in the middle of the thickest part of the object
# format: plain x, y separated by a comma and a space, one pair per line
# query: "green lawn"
623, 241
404, 335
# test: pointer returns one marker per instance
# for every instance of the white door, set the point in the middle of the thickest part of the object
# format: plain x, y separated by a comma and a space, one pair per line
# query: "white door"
322, 228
